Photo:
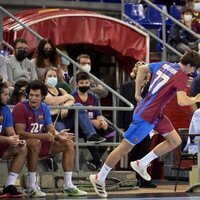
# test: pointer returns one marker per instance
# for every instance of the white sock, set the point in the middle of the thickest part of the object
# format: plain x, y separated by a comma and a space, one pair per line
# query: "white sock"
147, 159
68, 180
101, 177
32, 180
11, 180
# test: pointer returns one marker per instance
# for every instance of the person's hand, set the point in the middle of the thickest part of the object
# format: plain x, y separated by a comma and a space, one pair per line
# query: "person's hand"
63, 113
138, 98
197, 97
13, 140
104, 124
49, 136
65, 135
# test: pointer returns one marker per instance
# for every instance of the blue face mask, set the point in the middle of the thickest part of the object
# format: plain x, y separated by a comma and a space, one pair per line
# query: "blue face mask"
197, 7
52, 81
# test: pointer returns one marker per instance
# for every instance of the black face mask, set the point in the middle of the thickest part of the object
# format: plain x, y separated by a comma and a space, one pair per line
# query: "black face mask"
47, 53
21, 55
84, 89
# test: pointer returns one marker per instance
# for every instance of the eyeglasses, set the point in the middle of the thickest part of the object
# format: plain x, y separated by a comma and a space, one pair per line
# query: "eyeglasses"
85, 63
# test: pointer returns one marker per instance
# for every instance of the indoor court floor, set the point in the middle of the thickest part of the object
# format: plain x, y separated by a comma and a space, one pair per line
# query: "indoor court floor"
162, 192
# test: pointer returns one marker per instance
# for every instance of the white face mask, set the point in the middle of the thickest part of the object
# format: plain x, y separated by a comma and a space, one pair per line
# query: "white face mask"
187, 18
197, 7
52, 81
86, 67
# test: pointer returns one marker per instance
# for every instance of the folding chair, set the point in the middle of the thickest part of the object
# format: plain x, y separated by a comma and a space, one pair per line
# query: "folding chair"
183, 132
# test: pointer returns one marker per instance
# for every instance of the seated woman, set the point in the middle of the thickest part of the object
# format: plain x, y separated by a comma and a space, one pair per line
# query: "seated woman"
18, 93
64, 117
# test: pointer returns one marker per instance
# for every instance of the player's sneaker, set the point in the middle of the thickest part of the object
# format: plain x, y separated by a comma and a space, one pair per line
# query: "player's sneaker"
141, 171
36, 193
98, 187
74, 192
11, 192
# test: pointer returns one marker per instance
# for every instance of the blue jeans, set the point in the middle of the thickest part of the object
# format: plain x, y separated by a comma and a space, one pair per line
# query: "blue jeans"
84, 122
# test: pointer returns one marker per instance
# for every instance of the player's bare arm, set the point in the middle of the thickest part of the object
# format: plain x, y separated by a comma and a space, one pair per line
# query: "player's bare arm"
184, 100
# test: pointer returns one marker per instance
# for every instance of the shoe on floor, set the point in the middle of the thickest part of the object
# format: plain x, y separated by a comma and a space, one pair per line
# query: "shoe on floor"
94, 165
74, 192
98, 187
36, 193
11, 192
141, 171
96, 139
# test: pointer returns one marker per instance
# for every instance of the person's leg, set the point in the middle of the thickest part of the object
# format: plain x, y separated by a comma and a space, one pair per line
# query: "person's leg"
67, 147
87, 127
98, 181
19, 157
34, 147
172, 141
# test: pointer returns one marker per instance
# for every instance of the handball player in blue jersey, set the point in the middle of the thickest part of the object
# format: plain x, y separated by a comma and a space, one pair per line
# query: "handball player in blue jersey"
168, 79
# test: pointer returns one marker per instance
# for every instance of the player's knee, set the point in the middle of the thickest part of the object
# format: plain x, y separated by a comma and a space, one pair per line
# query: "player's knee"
69, 146
175, 143
34, 144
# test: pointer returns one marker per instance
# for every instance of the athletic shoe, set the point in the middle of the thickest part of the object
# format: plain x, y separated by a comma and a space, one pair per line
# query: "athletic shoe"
36, 193
141, 171
11, 192
74, 192
98, 187
96, 139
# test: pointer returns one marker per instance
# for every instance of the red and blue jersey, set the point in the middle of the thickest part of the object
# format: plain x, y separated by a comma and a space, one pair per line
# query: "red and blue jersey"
167, 79
5, 119
92, 100
34, 119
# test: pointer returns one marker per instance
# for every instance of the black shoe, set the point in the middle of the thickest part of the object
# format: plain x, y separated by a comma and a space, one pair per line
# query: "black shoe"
96, 139
94, 165
11, 192
148, 185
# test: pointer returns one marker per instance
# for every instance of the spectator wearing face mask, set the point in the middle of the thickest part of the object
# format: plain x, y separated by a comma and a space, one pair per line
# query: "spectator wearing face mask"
195, 7
97, 89
46, 57
64, 75
19, 67
181, 39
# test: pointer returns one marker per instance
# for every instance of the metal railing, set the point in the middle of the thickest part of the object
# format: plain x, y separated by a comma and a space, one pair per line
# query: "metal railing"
164, 16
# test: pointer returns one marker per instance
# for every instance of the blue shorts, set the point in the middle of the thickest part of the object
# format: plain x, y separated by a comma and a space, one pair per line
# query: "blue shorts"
140, 128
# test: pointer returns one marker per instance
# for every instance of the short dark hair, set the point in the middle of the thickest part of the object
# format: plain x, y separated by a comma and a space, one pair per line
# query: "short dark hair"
192, 58
37, 85
184, 10
2, 86
21, 40
82, 56
82, 76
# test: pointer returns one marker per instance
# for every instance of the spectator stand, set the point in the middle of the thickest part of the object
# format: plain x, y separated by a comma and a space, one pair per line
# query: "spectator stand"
154, 17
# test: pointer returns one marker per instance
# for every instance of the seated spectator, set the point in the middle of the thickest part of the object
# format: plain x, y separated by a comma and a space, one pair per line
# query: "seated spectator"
194, 5
84, 61
65, 120
32, 119
85, 98
10, 146
179, 38
3, 70
194, 90
19, 67
18, 93
193, 129
63, 75
46, 57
